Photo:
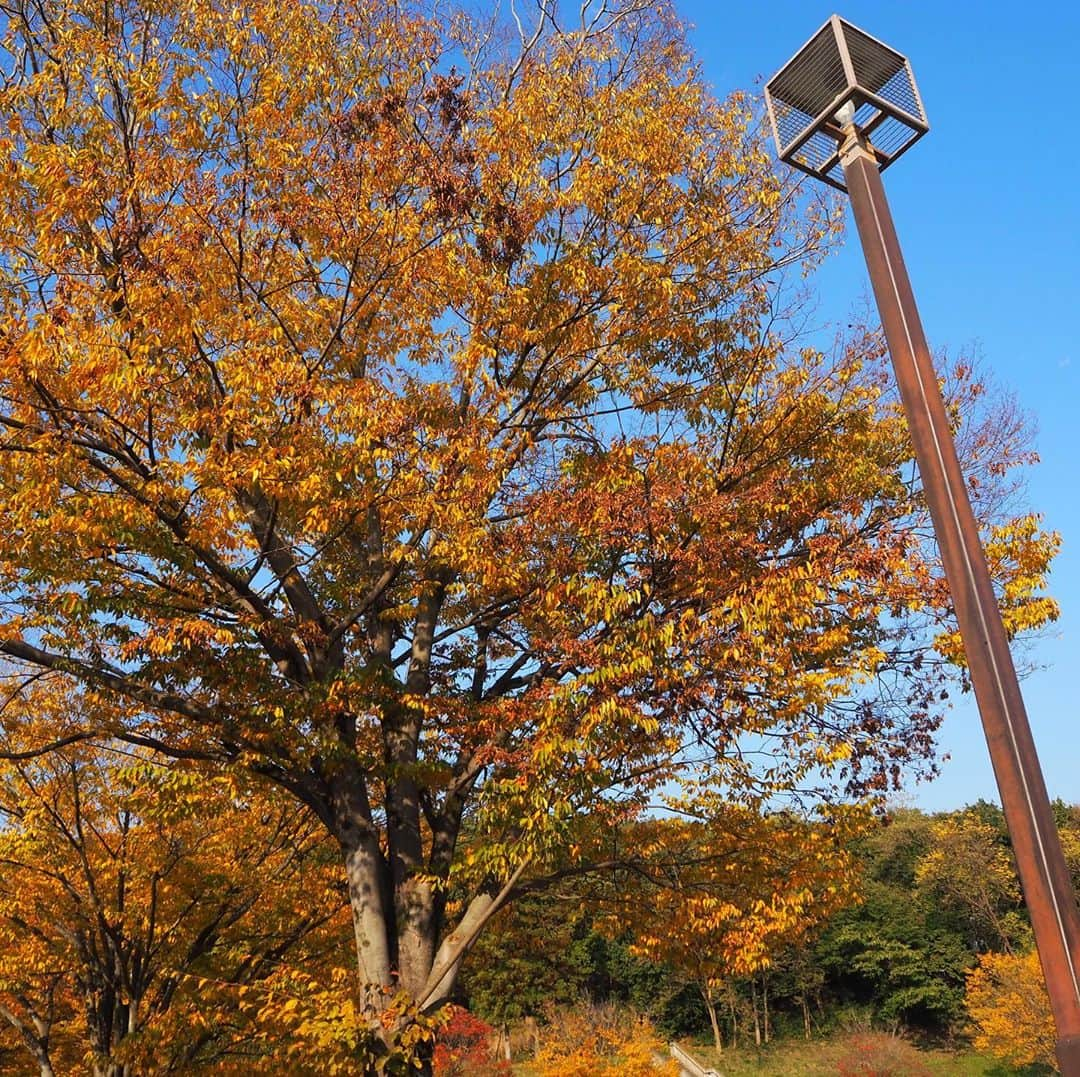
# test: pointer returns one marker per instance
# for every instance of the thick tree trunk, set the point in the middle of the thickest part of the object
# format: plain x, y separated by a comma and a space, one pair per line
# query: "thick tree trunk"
364, 866
414, 904
394, 932
370, 897
754, 1007
414, 898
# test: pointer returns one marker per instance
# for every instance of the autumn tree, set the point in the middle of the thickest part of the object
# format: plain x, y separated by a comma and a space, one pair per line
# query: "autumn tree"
968, 871
128, 886
401, 406
720, 901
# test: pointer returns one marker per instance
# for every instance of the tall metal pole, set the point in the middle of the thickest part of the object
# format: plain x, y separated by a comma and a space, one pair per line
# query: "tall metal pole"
1044, 876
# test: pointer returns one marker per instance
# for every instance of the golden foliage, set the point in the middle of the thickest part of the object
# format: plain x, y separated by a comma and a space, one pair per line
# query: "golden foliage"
1010, 1009
719, 900
969, 869
600, 1041
297, 1023
129, 881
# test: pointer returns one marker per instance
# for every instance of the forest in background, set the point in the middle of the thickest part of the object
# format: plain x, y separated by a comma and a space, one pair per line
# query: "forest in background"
937, 946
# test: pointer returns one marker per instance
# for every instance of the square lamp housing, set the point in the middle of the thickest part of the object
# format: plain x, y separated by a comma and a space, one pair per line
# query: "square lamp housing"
839, 65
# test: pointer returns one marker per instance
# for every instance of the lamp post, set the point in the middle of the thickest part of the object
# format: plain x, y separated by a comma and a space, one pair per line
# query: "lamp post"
842, 109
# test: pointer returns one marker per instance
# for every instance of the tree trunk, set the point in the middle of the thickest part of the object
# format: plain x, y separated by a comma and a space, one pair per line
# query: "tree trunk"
805, 1016
532, 1034
754, 1007
502, 1044
765, 1008
710, 1005
453, 948
367, 877
395, 934
414, 913
363, 871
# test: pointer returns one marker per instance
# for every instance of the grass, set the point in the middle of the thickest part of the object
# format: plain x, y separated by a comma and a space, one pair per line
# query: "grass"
825, 1058
822, 1058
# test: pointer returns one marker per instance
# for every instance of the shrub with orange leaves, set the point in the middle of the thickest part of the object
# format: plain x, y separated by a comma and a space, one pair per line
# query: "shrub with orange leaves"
878, 1054
601, 1041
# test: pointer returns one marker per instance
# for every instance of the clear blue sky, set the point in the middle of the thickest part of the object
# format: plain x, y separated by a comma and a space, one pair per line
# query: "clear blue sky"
988, 211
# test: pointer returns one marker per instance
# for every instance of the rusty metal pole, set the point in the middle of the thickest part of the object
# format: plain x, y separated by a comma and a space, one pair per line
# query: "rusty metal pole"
1044, 876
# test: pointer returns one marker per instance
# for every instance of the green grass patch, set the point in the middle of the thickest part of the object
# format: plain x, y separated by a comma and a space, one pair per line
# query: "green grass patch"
853, 1055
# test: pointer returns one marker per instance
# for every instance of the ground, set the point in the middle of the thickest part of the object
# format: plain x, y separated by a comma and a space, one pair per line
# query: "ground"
854, 1055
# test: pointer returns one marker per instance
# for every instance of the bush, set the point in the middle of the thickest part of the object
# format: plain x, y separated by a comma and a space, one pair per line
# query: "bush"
463, 1048
601, 1041
877, 1054
1010, 1009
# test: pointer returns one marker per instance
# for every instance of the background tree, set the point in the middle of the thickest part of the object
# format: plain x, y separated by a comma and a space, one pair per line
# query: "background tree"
939, 892
900, 959
897, 955
1010, 1009
127, 883
969, 872
404, 410
719, 901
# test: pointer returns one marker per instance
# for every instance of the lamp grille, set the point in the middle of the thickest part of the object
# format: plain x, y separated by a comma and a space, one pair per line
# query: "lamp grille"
842, 64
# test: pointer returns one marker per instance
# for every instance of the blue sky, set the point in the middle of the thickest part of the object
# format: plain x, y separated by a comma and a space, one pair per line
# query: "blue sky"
988, 213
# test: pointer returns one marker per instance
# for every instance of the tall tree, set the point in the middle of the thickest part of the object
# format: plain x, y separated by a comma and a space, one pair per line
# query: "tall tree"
400, 405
